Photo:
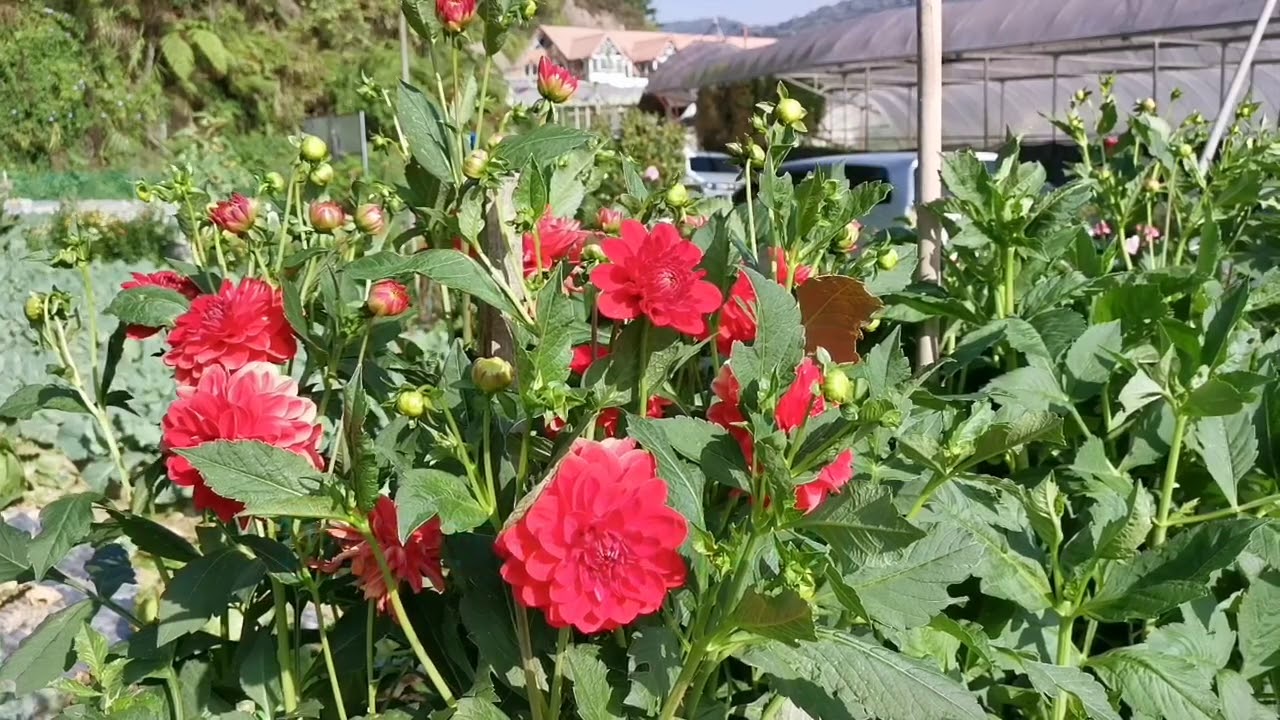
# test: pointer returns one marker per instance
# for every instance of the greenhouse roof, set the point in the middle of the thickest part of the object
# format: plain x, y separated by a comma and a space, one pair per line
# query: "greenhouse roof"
1006, 62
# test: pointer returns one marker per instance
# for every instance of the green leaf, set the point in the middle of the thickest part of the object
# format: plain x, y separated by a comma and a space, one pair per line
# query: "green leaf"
1011, 434
885, 367
785, 617
202, 588
1031, 388
1238, 700
591, 690
1005, 572
653, 665
47, 652
1229, 448
1259, 624
259, 668
276, 557
91, 649
178, 55
1136, 394
1179, 571
64, 523
1216, 397
153, 307
24, 403
14, 562
426, 130
865, 678
685, 482
554, 325
153, 538
110, 568
1052, 680
1090, 360
474, 708
1158, 686
211, 47
779, 330
710, 446
532, 191
424, 494
268, 480
908, 588
861, 523
471, 214
542, 145
1219, 326
447, 267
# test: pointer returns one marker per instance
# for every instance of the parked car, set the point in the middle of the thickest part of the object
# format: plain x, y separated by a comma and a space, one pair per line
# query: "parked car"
713, 173
897, 169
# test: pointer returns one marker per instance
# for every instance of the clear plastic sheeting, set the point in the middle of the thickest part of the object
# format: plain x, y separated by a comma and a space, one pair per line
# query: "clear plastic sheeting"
1008, 65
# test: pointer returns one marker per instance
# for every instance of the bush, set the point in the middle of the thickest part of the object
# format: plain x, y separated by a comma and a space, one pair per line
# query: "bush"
146, 239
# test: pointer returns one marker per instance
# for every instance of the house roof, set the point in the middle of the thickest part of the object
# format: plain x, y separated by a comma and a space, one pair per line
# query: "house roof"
580, 43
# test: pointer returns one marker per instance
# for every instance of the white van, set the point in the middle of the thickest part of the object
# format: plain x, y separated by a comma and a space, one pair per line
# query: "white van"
714, 174
898, 169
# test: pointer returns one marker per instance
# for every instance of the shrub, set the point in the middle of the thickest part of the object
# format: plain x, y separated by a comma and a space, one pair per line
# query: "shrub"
147, 238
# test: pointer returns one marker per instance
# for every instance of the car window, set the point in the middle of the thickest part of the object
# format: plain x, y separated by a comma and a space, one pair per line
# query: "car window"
711, 164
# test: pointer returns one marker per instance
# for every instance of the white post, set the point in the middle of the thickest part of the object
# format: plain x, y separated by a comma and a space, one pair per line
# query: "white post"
866, 109
1243, 71
928, 180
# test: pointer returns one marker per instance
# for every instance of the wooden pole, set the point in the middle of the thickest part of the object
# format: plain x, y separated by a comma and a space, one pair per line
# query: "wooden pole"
929, 180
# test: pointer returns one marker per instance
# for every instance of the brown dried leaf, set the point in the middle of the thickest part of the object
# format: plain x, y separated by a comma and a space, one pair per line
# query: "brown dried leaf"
834, 308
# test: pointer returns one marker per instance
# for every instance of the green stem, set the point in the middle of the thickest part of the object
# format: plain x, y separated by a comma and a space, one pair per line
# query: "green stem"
529, 663
1224, 512
1170, 481
484, 93
692, 664
774, 708
1065, 649
486, 450
197, 251
283, 654
751, 211
370, 674
709, 667
92, 312
59, 341
522, 469
283, 236
393, 594
217, 249
1090, 629
463, 455
642, 380
929, 490
1010, 254
334, 686
175, 693
557, 676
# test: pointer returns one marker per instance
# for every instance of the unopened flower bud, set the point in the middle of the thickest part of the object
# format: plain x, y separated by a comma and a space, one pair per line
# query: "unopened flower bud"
1152, 185
848, 239
236, 215
143, 192
274, 181
371, 219
888, 259
757, 155
475, 164
610, 220
34, 309
594, 252
873, 325
1186, 151
313, 149
412, 404
387, 298
677, 195
326, 216
1148, 106
837, 387
322, 175
66, 258
790, 111
491, 375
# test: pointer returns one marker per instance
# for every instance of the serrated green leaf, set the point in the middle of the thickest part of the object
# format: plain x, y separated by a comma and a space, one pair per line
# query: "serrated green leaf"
1228, 446
1238, 699
779, 330
1220, 322
1005, 572
1012, 434
427, 131
1216, 397
1259, 624
908, 588
276, 557
28, 399
1158, 686
202, 588
14, 562
47, 652
259, 669
868, 680
268, 480
554, 329
474, 708
1052, 680
1136, 394
91, 649
710, 446
64, 523
153, 307
153, 538
591, 691
860, 523
1090, 360
424, 494
785, 617
885, 367
1031, 388
684, 481
542, 145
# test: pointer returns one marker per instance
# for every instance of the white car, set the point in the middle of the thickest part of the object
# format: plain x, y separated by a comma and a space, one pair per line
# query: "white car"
898, 169
714, 174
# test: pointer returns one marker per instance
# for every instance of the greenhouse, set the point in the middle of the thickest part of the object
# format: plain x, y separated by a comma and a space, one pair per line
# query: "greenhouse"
1007, 64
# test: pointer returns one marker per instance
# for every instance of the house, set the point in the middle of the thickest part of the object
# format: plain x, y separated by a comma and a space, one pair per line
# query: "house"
613, 66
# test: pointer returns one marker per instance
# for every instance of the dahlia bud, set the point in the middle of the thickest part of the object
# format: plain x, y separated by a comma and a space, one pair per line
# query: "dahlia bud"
1110, 143
66, 258
888, 259
322, 175
34, 309
371, 219
555, 83
1152, 185
1148, 106
594, 252
387, 298
476, 163
236, 215
849, 238
455, 15
610, 220
873, 326
677, 195
1186, 151
789, 111
313, 149
412, 404
327, 216
757, 155
491, 375
837, 388
274, 181
143, 191
1106, 175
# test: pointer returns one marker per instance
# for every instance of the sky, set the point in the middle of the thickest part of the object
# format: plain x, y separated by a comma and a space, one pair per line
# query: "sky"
753, 12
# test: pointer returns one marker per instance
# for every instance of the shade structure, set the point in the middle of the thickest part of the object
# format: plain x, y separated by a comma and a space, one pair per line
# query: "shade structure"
1008, 64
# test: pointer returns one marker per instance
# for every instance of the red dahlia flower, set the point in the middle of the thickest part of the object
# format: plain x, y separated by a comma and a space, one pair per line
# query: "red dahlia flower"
242, 324
584, 355
830, 480
555, 83
803, 399
599, 547
326, 216
654, 275
163, 279
738, 315
556, 239
387, 298
236, 215
412, 562
255, 402
455, 15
